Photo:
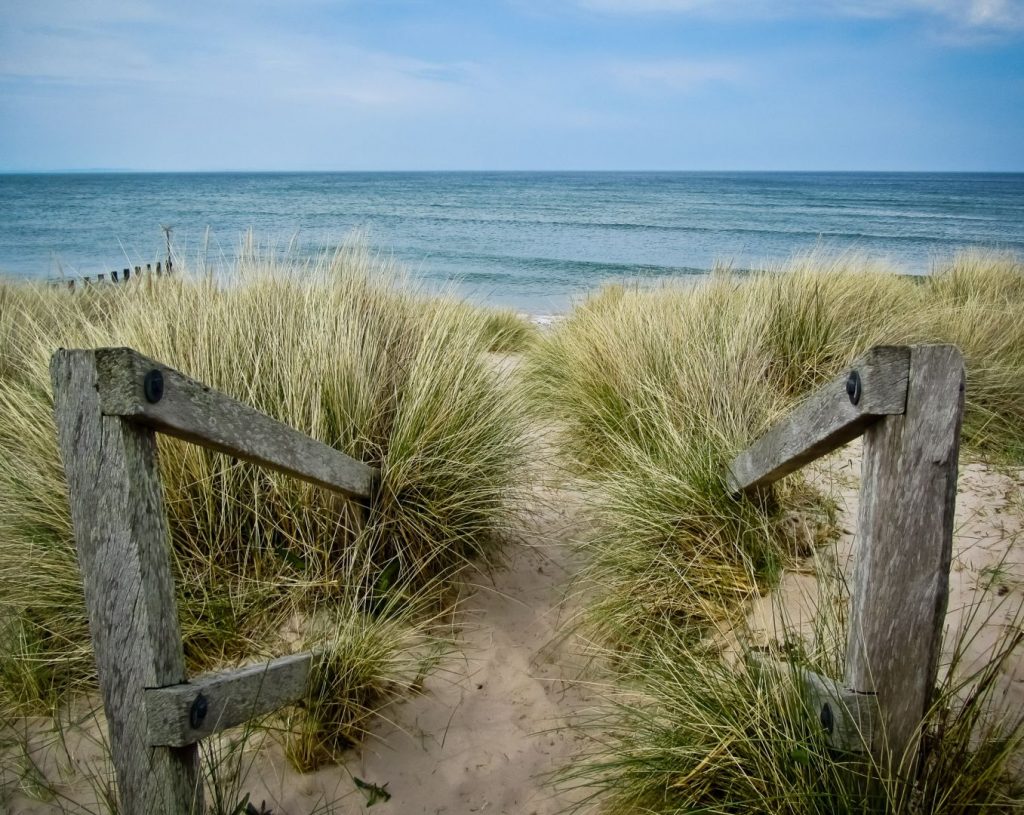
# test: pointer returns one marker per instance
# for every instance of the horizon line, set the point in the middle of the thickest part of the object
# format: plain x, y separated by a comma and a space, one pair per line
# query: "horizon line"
240, 171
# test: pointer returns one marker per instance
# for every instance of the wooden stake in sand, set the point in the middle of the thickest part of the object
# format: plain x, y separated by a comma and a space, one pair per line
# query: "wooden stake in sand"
122, 538
109, 405
908, 403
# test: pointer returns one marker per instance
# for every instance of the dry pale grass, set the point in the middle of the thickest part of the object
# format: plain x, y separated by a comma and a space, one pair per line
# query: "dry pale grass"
338, 348
655, 391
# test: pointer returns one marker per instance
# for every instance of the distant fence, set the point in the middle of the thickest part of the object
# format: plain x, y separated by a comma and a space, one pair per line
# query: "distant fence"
907, 402
109, 404
124, 276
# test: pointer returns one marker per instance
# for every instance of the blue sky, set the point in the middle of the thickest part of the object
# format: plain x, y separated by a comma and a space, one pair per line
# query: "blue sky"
513, 84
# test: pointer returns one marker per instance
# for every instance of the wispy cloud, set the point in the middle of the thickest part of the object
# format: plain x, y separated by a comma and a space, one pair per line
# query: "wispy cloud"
988, 15
514, 84
120, 44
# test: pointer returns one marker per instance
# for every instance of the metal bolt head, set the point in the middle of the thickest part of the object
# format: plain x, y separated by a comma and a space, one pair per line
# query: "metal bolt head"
153, 385
853, 387
827, 719
197, 713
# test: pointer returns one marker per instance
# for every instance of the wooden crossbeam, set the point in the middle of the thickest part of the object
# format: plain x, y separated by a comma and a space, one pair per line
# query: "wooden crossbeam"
156, 396
874, 386
183, 714
848, 719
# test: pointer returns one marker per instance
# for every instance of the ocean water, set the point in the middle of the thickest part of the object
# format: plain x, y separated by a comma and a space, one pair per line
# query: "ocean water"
532, 241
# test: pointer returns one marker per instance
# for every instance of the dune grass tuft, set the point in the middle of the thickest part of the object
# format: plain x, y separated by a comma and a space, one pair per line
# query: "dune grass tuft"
508, 331
691, 727
361, 663
336, 347
653, 391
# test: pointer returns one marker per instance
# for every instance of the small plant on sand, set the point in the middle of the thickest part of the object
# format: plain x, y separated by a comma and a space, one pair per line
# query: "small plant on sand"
358, 666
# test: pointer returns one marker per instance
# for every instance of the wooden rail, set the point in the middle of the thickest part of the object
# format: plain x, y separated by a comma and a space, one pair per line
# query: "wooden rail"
108, 406
908, 404
155, 396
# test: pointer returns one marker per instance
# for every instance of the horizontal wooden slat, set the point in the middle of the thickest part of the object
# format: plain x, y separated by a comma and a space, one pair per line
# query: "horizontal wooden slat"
190, 410
846, 718
826, 420
231, 698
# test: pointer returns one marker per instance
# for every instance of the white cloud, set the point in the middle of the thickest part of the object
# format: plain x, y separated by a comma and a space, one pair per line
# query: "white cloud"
968, 13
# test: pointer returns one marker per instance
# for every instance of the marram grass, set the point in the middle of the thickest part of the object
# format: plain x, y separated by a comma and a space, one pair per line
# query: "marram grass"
697, 727
653, 392
337, 348
508, 332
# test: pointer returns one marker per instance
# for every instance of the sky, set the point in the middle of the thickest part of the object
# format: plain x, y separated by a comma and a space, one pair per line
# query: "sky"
512, 85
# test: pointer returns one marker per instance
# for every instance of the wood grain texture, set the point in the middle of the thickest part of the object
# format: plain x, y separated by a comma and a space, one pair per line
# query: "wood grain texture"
851, 719
231, 697
901, 577
189, 410
826, 420
122, 540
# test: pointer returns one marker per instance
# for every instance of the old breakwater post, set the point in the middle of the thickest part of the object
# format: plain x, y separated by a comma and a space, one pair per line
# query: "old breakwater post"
109, 404
907, 402
125, 276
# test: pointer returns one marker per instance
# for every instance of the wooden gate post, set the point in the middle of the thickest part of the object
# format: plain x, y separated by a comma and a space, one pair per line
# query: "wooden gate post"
901, 577
122, 539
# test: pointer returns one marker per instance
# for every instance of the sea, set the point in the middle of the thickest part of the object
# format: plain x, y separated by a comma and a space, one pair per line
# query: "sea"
532, 241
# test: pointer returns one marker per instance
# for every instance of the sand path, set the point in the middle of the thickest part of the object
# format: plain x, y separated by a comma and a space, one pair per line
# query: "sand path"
493, 725
485, 735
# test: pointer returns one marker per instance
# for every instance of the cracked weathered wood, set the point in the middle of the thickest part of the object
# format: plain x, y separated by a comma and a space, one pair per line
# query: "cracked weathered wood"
122, 540
905, 533
231, 698
826, 420
191, 411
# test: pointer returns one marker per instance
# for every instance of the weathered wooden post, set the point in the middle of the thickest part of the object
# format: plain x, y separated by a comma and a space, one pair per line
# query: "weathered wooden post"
908, 403
109, 403
901, 578
122, 539
113, 276
127, 275
168, 229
